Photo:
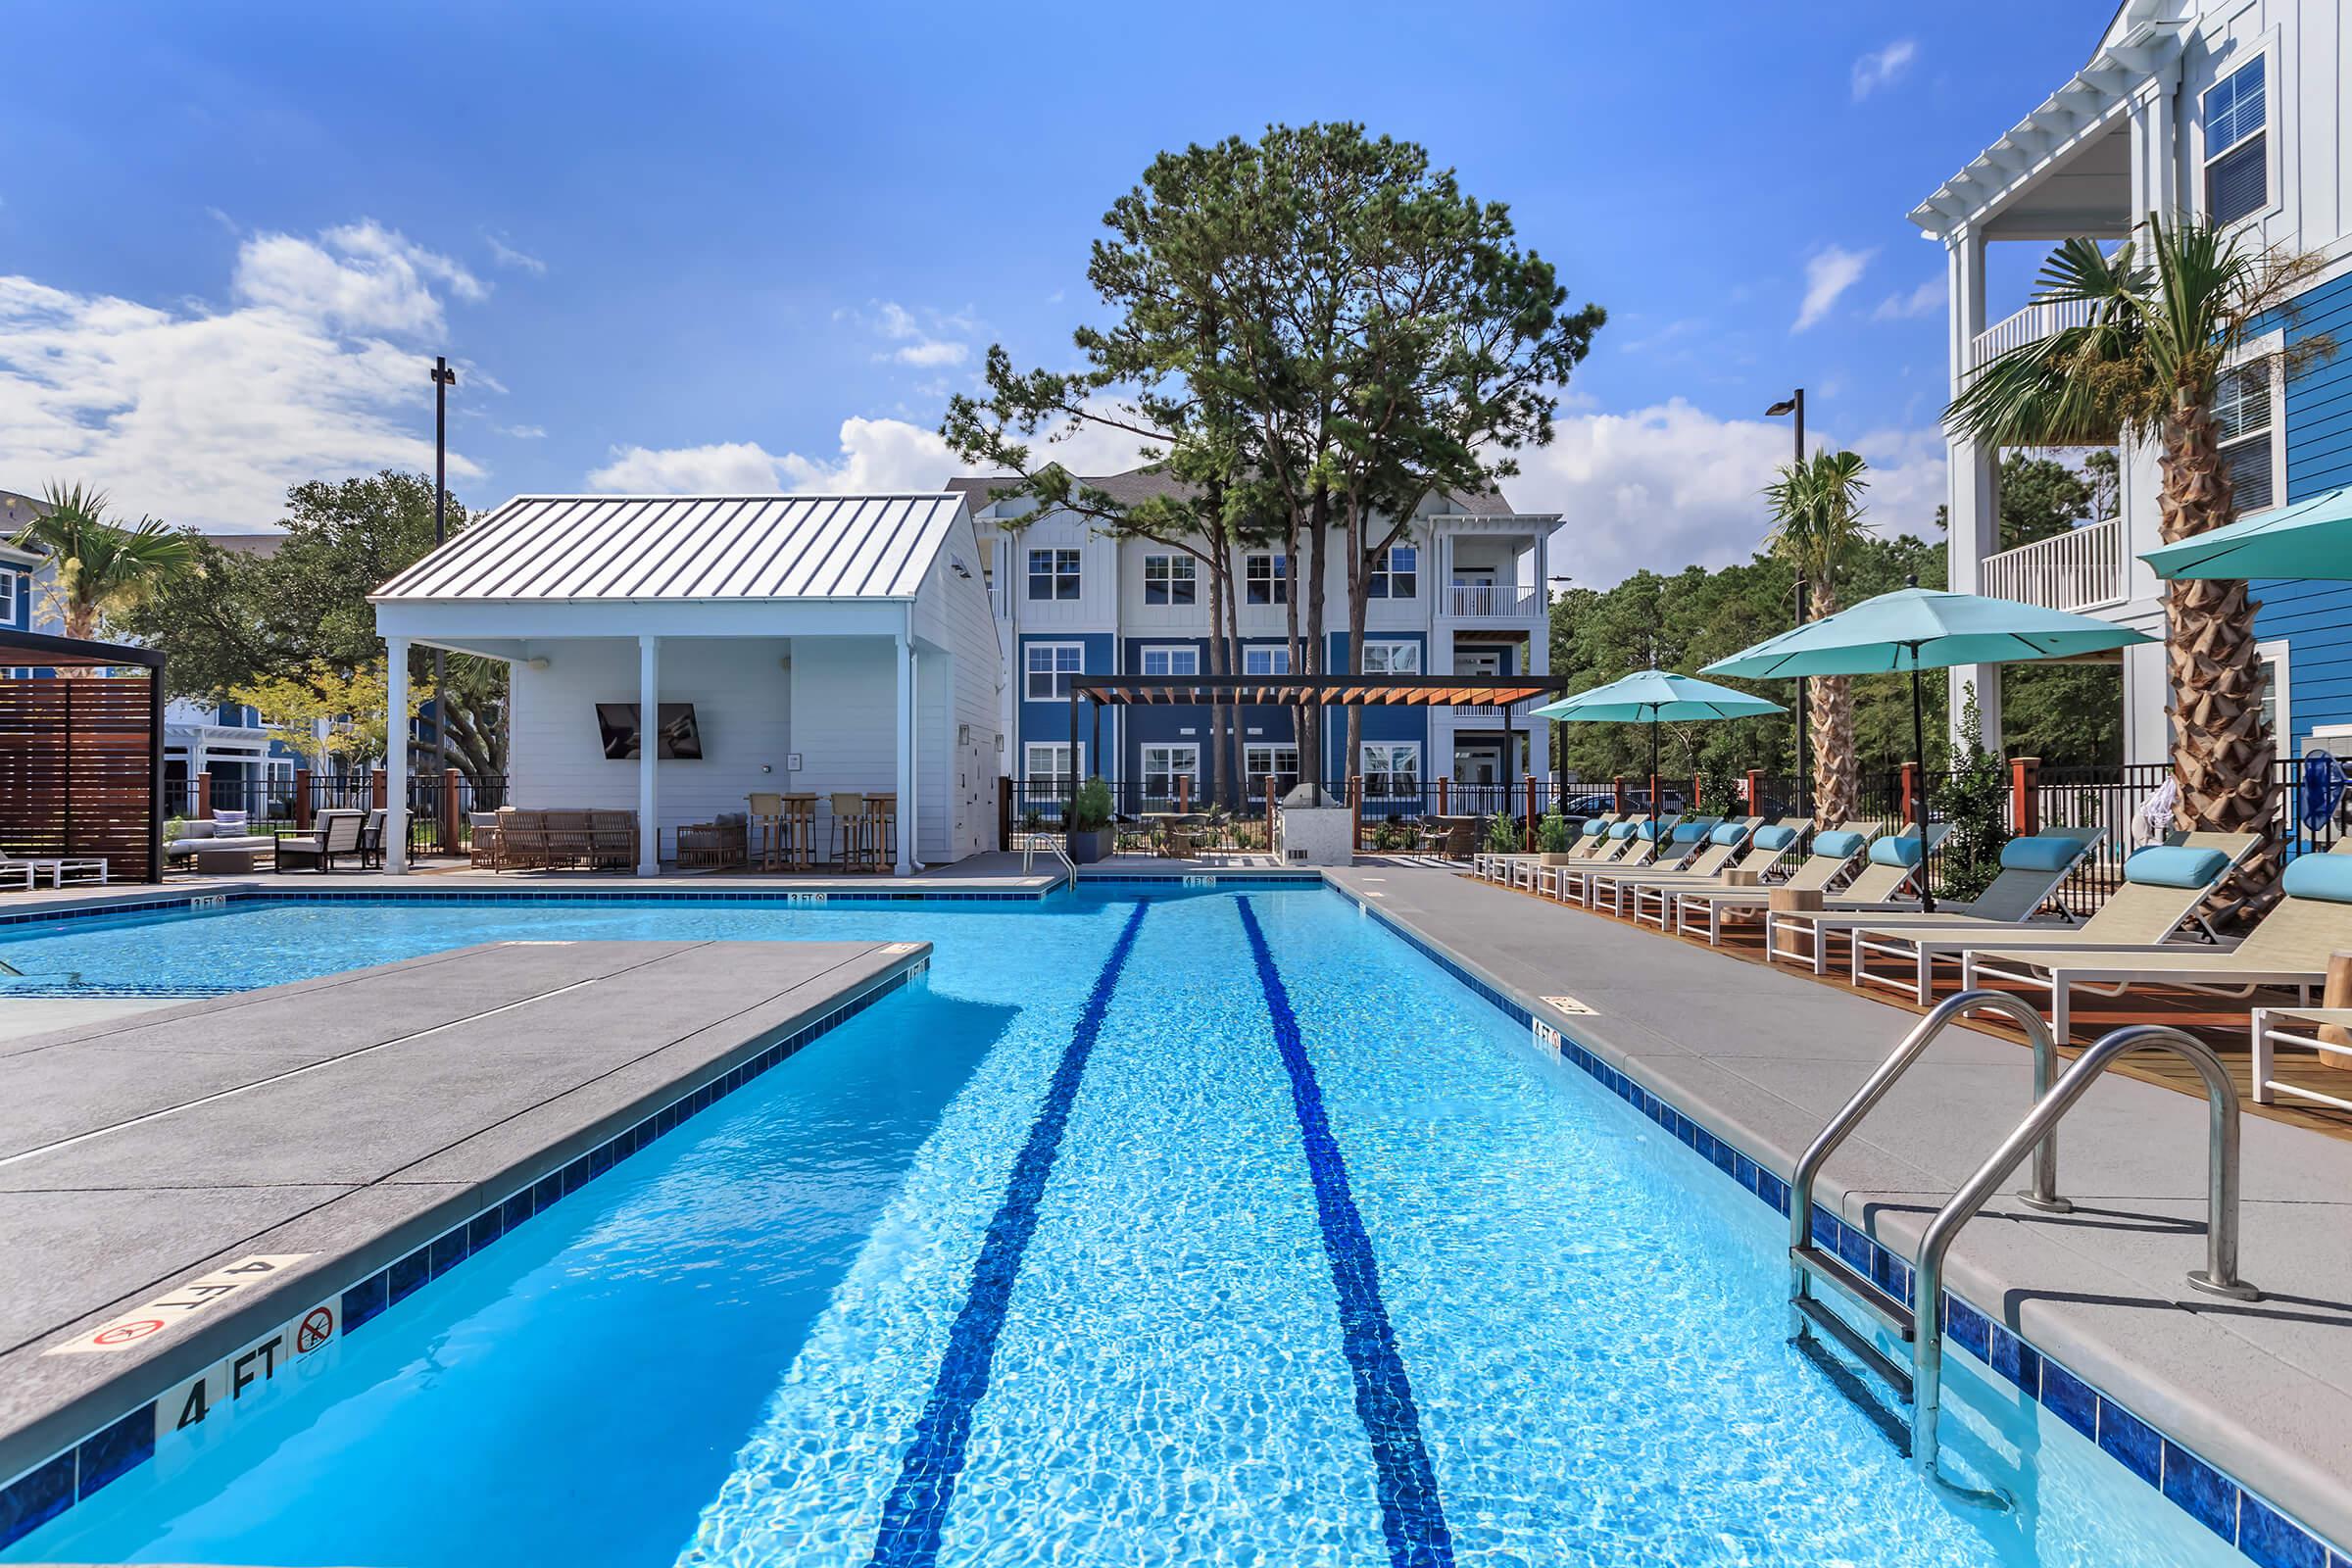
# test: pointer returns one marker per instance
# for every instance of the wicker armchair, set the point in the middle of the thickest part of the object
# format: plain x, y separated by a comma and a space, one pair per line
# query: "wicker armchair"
612, 840
481, 839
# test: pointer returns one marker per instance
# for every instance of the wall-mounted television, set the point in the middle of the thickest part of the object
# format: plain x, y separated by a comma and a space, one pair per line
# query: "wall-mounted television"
679, 738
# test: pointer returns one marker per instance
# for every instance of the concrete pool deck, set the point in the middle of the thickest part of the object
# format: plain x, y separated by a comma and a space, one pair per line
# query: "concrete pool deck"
1764, 1058
345, 1121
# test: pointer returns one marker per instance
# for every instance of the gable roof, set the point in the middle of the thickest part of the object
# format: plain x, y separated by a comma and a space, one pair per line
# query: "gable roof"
671, 548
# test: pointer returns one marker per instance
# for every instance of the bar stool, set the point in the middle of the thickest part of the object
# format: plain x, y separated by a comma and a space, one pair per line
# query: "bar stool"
800, 831
763, 826
848, 827
882, 824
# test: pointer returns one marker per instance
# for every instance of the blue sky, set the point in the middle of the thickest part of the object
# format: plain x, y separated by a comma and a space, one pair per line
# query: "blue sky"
712, 247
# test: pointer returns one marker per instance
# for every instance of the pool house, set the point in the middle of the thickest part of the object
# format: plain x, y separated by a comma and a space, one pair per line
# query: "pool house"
796, 645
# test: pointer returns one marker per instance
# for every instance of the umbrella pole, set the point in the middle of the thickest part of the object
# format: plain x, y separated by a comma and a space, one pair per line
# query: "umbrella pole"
1919, 749
1657, 852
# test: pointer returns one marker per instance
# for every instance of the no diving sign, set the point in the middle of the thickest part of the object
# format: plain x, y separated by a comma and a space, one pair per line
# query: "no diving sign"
167, 1311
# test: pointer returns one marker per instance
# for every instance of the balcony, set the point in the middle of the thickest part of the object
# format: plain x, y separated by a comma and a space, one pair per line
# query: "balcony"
1494, 601
2029, 325
2083, 569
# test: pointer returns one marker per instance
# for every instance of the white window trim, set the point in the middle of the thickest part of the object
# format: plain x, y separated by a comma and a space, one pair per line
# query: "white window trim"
1053, 574
2272, 160
1192, 569
1051, 673
8, 596
1272, 653
1145, 653
2278, 654
1391, 642
1272, 751
1191, 770
1030, 749
1365, 749
1387, 568
1284, 580
2271, 346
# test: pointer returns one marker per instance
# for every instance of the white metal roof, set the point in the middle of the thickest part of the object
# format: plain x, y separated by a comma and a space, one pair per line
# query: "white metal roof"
668, 548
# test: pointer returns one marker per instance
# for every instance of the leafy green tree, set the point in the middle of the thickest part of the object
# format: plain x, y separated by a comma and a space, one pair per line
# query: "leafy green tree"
1974, 802
102, 570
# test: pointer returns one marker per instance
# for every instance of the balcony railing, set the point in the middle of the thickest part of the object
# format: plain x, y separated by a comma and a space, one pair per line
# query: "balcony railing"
2083, 569
2029, 325
1495, 600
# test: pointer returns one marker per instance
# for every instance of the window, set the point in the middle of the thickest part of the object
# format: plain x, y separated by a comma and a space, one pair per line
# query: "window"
1478, 661
992, 575
2241, 415
1400, 576
1171, 660
1391, 657
1266, 579
1265, 661
1163, 764
1277, 765
1047, 764
1053, 574
1050, 667
2274, 692
2236, 159
1391, 767
1169, 580
8, 596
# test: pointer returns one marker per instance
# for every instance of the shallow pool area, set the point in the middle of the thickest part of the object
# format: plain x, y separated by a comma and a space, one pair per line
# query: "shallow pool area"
1221, 1228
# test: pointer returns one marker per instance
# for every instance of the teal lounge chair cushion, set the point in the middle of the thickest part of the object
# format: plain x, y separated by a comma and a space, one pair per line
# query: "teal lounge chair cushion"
1843, 846
1892, 850
1729, 833
1689, 832
1623, 831
2319, 876
2175, 865
1777, 837
2041, 854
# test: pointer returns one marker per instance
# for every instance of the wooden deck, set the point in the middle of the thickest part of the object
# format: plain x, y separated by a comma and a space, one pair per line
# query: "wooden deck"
2221, 1023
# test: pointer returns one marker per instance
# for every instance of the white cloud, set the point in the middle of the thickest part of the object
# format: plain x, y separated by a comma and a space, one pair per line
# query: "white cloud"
505, 255
1925, 299
1829, 273
1669, 486
203, 416
932, 340
725, 467
523, 432
1884, 68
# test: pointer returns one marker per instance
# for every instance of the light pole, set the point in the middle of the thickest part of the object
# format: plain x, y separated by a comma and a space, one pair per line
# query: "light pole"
1794, 404
443, 379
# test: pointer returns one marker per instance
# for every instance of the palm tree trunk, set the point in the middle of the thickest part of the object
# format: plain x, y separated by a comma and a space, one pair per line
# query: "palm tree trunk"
1837, 775
2223, 749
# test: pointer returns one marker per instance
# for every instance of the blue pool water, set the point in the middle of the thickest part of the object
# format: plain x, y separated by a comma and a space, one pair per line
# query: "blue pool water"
1207, 1230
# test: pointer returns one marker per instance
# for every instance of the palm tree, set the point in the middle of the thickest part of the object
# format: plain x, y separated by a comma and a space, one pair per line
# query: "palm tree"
2163, 315
1817, 512
102, 567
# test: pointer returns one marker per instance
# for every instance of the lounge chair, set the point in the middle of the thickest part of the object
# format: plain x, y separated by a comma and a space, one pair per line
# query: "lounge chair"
2033, 868
2163, 886
2289, 948
1892, 864
1612, 845
1674, 845
2271, 1032
336, 833
17, 871
1833, 855
1716, 848
1767, 847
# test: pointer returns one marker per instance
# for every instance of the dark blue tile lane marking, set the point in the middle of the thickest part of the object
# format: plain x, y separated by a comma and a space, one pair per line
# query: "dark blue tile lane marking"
1411, 1516
916, 1511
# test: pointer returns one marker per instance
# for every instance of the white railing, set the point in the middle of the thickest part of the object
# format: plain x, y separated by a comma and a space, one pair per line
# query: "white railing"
2083, 569
2029, 325
1493, 600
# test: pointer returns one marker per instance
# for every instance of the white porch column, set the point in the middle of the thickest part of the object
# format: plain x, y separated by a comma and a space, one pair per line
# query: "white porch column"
902, 663
1973, 495
396, 755
649, 755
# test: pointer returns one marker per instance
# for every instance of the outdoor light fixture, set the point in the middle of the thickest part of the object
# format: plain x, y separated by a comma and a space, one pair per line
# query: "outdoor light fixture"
1785, 406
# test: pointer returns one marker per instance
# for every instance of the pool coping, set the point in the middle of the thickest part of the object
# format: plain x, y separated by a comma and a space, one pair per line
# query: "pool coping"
86, 1437
2265, 1531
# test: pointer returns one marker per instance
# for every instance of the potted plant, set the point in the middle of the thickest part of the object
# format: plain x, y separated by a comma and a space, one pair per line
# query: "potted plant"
1552, 837
1503, 834
1091, 831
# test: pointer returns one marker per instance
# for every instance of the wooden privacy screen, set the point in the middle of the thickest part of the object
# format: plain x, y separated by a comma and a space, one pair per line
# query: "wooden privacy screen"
77, 776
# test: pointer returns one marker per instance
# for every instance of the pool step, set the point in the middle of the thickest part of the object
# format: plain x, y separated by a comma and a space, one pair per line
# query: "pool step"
1890, 1312
1856, 1345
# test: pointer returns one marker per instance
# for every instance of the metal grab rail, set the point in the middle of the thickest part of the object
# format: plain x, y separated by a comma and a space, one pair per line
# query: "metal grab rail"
2043, 1195
2219, 1276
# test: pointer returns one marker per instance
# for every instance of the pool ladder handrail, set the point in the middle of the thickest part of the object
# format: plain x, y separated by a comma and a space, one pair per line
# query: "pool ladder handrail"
1807, 1261
2219, 1276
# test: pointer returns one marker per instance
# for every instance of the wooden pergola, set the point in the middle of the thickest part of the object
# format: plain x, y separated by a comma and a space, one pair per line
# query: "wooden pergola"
1282, 691
81, 759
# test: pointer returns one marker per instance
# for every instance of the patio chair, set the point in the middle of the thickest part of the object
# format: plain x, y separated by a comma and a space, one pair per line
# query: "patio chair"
1673, 846
1709, 854
2033, 868
336, 833
17, 871
1614, 845
2271, 1031
570, 838
1767, 847
2163, 887
612, 840
1892, 867
2291, 948
521, 840
1833, 855
481, 839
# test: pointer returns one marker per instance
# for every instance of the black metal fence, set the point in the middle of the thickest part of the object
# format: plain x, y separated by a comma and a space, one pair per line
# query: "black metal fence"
271, 806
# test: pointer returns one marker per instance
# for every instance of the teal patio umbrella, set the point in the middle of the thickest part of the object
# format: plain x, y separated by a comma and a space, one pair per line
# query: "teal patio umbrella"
2309, 539
1918, 629
1656, 697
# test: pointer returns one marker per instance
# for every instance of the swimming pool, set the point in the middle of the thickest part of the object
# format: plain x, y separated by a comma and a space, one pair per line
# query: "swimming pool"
1215, 1229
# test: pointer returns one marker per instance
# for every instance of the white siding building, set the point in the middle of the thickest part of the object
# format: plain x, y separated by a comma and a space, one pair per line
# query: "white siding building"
825, 643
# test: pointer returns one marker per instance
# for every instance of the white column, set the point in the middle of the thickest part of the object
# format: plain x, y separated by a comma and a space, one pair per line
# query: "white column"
901, 661
396, 755
649, 757
1973, 495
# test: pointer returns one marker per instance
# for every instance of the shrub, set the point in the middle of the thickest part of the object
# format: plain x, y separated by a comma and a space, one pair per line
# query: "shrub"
1551, 834
1975, 802
1091, 808
1503, 834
